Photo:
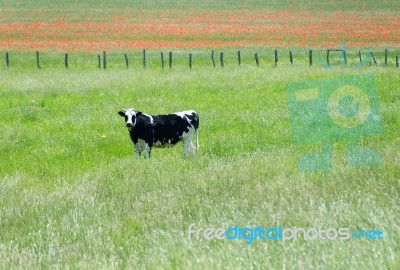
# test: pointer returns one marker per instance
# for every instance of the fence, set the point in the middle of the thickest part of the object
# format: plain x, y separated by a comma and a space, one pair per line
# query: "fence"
102, 59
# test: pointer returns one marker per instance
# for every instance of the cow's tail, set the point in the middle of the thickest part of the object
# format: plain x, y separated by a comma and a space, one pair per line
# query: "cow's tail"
197, 122
197, 138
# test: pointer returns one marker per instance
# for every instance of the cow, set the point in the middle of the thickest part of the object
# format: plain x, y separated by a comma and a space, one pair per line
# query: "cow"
160, 131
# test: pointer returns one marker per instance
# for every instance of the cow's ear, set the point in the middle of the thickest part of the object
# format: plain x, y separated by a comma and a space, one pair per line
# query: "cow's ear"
138, 114
122, 113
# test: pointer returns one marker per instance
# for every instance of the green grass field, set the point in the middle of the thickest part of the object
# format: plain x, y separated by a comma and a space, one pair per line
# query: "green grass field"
73, 196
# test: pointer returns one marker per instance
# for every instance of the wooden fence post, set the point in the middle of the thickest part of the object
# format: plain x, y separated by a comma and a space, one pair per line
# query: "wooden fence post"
99, 60
144, 58
373, 57
221, 59
170, 60
276, 57
37, 59
345, 57
256, 57
126, 60
162, 60
239, 58
397, 61
359, 56
104, 60
190, 60
291, 57
66, 60
212, 58
386, 57
310, 56
327, 56
7, 60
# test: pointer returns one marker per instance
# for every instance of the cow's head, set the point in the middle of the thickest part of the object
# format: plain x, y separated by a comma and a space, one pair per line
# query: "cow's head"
130, 117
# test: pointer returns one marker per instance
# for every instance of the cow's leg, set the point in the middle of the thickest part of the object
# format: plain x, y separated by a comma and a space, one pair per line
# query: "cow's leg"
192, 149
138, 150
188, 148
147, 151
137, 154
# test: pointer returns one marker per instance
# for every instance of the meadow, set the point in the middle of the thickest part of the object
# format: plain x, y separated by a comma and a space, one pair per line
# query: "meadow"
97, 25
73, 196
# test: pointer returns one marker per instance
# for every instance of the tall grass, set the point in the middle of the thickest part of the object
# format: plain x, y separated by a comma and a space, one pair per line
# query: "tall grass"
73, 195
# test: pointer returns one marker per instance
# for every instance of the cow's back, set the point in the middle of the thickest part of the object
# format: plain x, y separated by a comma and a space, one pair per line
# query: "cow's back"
169, 129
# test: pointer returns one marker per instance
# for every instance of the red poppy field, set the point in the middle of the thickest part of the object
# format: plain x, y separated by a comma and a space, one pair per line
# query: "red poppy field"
203, 29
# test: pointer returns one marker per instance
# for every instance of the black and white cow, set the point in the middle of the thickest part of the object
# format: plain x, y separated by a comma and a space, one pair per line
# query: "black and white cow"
148, 131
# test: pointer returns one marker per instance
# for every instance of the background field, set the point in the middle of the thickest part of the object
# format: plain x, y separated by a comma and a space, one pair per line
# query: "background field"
73, 196
98, 25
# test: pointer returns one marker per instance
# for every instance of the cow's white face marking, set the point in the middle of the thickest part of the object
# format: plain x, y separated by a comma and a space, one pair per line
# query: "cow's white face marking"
130, 118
